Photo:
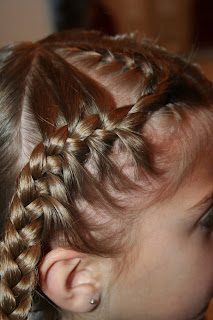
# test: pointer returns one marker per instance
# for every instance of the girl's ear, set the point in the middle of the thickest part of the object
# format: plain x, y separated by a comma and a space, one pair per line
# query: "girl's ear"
68, 281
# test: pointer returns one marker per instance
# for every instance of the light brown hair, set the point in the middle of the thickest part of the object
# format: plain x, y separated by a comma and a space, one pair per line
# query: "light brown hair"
71, 106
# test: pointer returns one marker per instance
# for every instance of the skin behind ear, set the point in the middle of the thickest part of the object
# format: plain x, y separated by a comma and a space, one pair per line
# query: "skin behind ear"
70, 280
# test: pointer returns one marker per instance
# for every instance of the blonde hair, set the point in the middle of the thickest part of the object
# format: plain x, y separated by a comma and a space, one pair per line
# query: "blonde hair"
70, 104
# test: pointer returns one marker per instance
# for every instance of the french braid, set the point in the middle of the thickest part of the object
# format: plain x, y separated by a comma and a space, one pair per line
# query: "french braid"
77, 127
38, 202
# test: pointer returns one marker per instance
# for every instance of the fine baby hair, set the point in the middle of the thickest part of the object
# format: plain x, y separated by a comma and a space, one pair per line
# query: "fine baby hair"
93, 128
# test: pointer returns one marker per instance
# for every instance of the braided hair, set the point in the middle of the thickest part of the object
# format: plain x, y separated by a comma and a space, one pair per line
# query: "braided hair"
68, 102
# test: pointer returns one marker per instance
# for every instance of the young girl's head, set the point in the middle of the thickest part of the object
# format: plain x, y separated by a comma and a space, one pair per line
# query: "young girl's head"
106, 180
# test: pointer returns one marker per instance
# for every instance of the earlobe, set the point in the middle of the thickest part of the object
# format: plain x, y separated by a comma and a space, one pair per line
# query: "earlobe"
68, 282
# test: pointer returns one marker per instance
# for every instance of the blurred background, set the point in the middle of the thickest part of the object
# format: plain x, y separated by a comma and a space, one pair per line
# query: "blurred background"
185, 26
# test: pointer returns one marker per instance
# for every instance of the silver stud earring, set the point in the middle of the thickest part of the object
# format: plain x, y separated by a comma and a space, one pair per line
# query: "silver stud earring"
93, 301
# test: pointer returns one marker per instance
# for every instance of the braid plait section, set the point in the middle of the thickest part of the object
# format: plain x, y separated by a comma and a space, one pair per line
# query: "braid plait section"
40, 202
149, 63
45, 187
34, 208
